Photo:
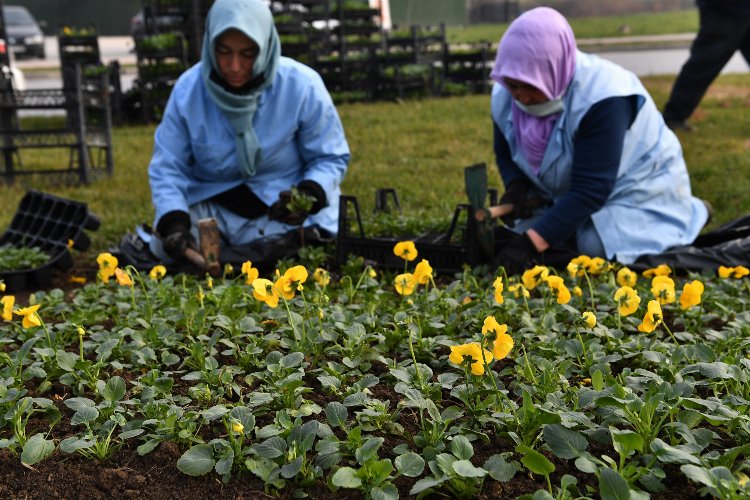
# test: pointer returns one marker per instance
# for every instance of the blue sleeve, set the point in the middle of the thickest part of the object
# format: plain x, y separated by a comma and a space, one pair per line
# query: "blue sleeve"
596, 159
509, 171
321, 139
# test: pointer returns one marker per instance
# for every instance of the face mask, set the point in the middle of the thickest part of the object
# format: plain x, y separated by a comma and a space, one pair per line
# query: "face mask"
543, 108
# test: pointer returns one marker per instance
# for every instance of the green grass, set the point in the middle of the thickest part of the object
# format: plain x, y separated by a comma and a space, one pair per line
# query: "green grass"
681, 21
420, 148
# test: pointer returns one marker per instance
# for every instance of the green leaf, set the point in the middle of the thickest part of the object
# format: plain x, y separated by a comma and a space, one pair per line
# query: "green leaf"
36, 449
410, 464
270, 448
584, 464
84, 415
461, 447
336, 413
564, 443
499, 469
215, 412
292, 468
612, 486
670, 454
197, 461
346, 477
75, 443
699, 475
424, 484
626, 442
385, 491
66, 360
292, 359
597, 380
368, 450
115, 389
535, 461
465, 468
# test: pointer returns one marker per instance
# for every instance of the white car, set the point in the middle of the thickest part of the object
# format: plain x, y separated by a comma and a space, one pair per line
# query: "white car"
19, 81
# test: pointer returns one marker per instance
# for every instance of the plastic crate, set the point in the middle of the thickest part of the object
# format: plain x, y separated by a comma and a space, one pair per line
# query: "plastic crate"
49, 223
447, 252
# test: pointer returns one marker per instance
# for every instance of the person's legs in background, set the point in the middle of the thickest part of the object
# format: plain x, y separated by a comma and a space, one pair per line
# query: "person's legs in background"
720, 35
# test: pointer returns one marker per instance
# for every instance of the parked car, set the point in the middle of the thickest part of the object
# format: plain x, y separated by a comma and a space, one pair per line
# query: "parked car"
11, 70
24, 32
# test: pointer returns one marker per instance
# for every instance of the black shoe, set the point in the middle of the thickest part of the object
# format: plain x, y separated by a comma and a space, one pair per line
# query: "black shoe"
682, 125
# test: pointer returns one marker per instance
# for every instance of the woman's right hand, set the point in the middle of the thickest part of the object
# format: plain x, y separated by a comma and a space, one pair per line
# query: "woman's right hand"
516, 194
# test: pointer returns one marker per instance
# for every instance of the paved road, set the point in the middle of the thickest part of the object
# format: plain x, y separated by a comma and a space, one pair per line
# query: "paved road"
667, 58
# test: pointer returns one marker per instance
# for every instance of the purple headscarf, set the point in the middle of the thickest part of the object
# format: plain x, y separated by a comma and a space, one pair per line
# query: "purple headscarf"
539, 49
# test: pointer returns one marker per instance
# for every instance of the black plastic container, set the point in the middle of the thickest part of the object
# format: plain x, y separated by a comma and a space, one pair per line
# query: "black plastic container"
48, 223
447, 252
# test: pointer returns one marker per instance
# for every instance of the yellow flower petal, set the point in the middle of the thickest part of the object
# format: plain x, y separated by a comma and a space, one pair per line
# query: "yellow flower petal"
405, 250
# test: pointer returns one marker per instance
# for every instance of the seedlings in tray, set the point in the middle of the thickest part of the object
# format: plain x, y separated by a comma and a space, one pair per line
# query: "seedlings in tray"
15, 258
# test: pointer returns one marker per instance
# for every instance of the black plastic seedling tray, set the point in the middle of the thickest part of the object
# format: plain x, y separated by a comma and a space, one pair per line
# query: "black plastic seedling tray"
447, 252
48, 223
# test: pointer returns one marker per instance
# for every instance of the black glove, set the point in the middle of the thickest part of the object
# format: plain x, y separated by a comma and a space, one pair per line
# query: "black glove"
517, 255
516, 193
280, 211
174, 228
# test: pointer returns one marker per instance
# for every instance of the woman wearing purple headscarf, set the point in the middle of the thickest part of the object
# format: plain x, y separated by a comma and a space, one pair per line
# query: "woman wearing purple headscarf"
583, 135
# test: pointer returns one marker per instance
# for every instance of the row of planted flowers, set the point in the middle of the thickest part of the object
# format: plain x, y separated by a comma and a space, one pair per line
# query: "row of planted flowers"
525, 371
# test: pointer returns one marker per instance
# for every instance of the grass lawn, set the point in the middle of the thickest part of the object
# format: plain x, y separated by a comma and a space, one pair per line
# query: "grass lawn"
420, 148
681, 21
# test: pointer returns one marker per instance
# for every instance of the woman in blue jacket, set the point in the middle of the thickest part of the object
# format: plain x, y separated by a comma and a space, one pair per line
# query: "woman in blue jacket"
241, 128
583, 135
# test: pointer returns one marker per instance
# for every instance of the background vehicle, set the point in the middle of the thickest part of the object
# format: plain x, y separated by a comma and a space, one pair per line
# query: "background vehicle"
19, 81
25, 36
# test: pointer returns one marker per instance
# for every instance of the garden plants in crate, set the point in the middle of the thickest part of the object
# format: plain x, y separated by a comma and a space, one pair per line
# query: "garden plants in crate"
14, 258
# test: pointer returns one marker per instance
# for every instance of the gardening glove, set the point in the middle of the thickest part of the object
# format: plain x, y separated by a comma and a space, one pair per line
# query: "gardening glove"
516, 193
281, 211
174, 228
517, 255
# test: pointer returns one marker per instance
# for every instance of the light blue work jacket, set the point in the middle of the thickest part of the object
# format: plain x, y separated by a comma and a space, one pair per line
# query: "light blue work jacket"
301, 138
651, 207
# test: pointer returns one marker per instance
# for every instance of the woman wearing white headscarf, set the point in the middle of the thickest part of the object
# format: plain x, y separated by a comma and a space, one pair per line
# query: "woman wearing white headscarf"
583, 134
241, 128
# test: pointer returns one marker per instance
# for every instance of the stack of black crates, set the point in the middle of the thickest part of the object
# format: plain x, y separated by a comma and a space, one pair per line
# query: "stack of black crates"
171, 43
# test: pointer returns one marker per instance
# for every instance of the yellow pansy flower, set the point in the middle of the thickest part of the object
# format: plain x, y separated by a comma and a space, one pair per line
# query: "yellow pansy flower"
405, 283
662, 288
733, 272
406, 250
79, 280
2, 286
691, 294
627, 300
577, 291
626, 277
107, 265
589, 318
237, 427
660, 270
518, 290
371, 272
532, 277
499, 285
123, 278
598, 266
472, 351
30, 317
321, 277
251, 273
157, 272
502, 343
558, 287
577, 267
264, 291
8, 302
423, 272
653, 317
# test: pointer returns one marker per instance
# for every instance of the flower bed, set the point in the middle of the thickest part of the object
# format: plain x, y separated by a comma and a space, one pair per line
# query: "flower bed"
592, 382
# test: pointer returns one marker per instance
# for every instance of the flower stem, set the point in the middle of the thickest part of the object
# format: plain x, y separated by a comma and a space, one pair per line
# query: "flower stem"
414, 360
591, 290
